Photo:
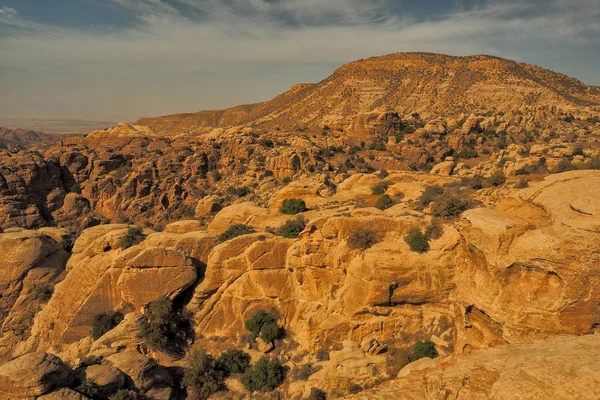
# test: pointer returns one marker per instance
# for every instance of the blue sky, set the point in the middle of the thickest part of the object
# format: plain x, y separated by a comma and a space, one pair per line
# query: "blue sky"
122, 59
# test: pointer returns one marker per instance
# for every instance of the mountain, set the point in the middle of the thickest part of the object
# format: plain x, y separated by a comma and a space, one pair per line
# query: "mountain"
428, 84
20, 139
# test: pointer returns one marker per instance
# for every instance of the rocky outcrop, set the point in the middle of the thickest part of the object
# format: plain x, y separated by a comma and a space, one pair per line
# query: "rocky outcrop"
526, 371
32, 375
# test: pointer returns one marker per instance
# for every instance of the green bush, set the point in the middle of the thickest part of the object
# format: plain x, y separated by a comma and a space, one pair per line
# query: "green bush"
43, 292
235, 361
292, 228
303, 372
317, 394
104, 322
264, 376
362, 238
563, 165
422, 350
287, 180
497, 179
132, 237
380, 187
204, 375
417, 240
450, 205
467, 153
88, 388
293, 206
322, 355
263, 324
239, 191
428, 195
75, 188
384, 202
354, 388
434, 230
578, 151
162, 328
234, 231
522, 184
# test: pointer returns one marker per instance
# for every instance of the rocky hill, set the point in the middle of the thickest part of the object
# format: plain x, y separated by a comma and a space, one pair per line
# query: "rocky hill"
435, 233
21, 139
429, 84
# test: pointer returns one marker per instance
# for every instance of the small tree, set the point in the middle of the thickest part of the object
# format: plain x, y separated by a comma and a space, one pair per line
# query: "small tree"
450, 205
497, 179
164, 329
104, 322
380, 187
317, 394
362, 238
204, 375
235, 231
430, 193
292, 228
293, 206
384, 202
132, 237
263, 324
264, 376
417, 241
422, 350
235, 361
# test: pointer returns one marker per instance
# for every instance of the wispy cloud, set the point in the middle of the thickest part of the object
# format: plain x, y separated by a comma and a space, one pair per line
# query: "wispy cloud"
183, 55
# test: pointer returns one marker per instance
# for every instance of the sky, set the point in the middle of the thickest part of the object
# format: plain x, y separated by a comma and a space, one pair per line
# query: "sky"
118, 60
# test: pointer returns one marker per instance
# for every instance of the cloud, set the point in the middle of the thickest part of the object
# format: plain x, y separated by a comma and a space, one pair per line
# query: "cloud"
184, 55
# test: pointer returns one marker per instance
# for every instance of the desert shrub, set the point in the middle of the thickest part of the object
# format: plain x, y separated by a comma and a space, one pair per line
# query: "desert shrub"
132, 237
378, 145
90, 360
434, 230
268, 143
563, 165
317, 394
287, 180
322, 355
1, 230
303, 372
383, 174
594, 163
104, 322
522, 184
468, 152
126, 394
292, 228
235, 361
428, 195
234, 231
43, 292
497, 179
238, 191
380, 187
422, 350
204, 375
163, 328
88, 388
75, 188
384, 202
578, 151
293, 206
417, 240
263, 324
362, 238
475, 183
450, 205
354, 388
264, 376
216, 175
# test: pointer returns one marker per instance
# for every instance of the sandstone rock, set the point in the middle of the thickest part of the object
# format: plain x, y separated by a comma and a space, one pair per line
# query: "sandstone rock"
443, 168
107, 378
184, 227
419, 365
143, 371
532, 370
372, 346
63, 394
32, 375
207, 206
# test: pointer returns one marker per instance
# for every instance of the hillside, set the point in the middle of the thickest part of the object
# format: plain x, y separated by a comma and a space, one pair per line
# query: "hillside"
429, 84
21, 139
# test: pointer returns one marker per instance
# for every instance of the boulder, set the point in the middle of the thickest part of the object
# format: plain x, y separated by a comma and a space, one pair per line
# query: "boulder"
32, 375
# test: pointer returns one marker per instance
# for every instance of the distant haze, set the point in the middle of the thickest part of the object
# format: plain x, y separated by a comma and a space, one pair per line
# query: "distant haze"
118, 60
